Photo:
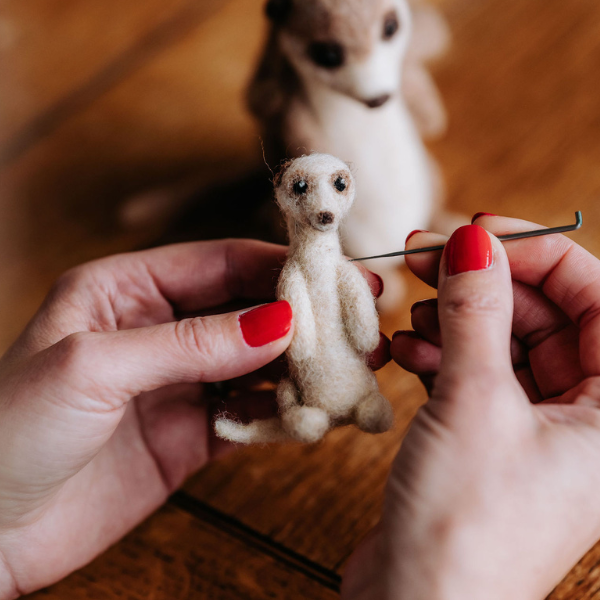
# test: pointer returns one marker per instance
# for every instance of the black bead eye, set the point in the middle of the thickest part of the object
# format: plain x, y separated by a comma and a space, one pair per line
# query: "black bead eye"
300, 187
340, 184
329, 55
278, 10
390, 25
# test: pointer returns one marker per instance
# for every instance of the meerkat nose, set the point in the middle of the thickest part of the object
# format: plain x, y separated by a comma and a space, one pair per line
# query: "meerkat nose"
377, 102
325, 218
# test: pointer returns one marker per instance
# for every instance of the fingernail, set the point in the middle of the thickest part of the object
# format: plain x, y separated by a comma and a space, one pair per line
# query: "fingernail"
381, 356
469, 249
431, 303
481, 214
414, 233
265, 324
411, 334
378, 287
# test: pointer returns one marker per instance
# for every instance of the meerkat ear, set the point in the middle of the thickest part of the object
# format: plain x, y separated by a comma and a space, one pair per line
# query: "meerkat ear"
278, 10
283, 167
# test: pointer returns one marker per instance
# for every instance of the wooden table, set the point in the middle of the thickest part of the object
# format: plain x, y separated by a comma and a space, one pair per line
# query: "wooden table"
103, 98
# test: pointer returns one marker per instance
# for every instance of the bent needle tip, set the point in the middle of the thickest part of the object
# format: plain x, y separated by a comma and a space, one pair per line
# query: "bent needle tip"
502, 238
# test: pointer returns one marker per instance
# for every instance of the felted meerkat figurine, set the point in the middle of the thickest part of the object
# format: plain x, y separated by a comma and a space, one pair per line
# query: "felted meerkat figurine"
331, 81
335, 321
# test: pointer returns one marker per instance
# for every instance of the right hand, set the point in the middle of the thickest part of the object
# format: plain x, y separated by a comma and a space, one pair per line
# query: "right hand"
494, 492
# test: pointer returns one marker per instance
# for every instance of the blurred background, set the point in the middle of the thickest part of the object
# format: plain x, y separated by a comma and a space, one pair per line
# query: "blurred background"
101, 100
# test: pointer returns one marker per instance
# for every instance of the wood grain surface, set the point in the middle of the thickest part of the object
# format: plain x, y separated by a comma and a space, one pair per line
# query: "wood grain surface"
100, 100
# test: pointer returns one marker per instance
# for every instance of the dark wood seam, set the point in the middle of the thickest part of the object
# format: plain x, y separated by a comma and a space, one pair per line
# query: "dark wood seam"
262, 543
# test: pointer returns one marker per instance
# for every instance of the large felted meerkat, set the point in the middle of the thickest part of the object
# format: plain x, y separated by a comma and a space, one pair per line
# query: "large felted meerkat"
331, 80
336, 325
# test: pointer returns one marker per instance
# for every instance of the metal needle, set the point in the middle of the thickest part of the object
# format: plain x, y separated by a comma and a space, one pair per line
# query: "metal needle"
502, 238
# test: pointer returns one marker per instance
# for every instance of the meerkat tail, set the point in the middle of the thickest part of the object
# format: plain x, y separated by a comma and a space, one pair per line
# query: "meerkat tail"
257, 432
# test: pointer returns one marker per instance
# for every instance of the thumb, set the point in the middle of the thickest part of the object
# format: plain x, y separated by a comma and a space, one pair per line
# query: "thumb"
119, 365
475, 307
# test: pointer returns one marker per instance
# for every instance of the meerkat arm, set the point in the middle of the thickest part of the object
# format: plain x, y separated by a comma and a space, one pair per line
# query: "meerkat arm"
358, 309
430, 37
292, 287
424, 101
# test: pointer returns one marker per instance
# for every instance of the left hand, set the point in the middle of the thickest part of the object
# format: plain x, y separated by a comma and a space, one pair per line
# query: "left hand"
102, 415
101, 412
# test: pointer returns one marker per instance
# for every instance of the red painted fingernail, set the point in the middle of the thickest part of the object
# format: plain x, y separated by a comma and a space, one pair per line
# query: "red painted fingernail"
411, 334
378, 287
481, 214
266, 324
381, 356
415, 233
431, 303
469, 249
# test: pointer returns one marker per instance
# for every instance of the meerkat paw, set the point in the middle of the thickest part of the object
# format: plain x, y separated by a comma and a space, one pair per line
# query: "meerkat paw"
374, 414
305, 423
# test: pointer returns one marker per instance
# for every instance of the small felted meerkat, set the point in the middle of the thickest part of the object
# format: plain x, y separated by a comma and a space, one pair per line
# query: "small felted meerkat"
336, 325
340, 77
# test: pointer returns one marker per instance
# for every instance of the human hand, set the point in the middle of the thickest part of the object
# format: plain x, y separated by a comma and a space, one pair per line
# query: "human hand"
494, 492
102, 414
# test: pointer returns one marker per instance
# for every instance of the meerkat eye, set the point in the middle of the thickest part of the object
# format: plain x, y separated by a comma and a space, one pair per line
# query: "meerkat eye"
390, 25
329, 55
300, 187
340, 184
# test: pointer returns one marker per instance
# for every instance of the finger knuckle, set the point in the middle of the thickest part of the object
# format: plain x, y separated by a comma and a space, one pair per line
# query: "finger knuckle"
474, 304
198, 339
73, 354
70, 282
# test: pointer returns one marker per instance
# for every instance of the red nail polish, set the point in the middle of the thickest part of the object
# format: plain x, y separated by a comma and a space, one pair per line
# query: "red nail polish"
379, 286
431, 303
481, 214
381, 356
415, 233
266, 324
469, 249
410, 334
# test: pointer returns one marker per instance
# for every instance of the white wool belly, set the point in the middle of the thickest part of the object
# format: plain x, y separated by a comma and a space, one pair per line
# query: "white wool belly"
390, 164
331, 378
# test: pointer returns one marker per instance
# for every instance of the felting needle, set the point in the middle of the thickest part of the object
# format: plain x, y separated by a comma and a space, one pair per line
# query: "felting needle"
502, 238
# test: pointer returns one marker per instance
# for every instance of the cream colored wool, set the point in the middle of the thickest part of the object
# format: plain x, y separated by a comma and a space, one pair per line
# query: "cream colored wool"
335, 321
306, 107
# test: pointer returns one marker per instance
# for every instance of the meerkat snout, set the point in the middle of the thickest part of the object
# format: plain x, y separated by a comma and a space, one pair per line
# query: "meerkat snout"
326, 218
378, 101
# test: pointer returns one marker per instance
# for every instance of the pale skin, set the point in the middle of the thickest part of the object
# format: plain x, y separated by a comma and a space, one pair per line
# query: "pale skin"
102, 409
490, 496
494, 493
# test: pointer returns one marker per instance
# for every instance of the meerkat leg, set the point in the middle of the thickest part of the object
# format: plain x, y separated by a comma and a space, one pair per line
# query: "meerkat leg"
374, 413
303, 423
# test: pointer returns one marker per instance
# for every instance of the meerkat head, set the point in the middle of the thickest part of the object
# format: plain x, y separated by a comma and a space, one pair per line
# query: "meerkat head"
316, 191
354, 46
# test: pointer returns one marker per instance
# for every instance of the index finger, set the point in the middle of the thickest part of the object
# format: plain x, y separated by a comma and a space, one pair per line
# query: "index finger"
145, 288
566, 273
201, 275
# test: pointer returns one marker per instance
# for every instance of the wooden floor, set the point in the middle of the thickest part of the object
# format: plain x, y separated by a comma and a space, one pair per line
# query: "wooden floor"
100, 99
